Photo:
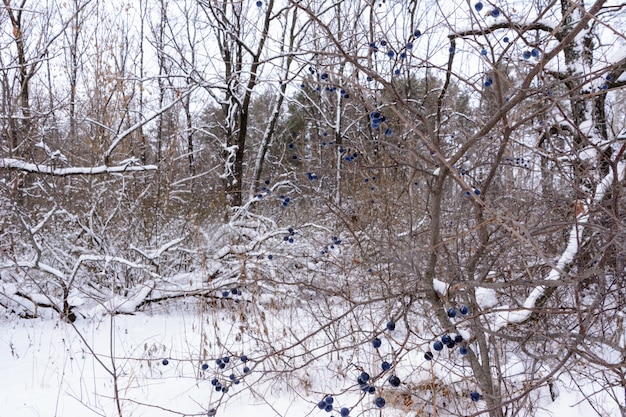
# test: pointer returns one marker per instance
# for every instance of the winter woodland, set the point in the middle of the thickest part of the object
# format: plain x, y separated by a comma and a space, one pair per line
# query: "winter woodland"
312, 207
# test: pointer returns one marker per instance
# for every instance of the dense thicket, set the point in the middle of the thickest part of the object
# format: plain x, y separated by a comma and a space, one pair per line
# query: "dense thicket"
355, 161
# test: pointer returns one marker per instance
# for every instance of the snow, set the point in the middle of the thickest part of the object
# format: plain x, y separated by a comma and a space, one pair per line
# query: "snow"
440, 286
54, 373
486, 297
12, 163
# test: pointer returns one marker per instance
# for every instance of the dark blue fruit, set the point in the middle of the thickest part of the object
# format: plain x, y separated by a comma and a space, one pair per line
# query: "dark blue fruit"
376, 343
495, 13
215, 381
391, 325
464, 310
329, 400
458, 338
345, 412
478, 6
321, 405
446, 339
165, 362
328, 408
463, 350
394, 381
380, 402
364, 377
474, 396
205, 366
244, 358
438, 345
429, 355
451, 313
386, 366
246, 370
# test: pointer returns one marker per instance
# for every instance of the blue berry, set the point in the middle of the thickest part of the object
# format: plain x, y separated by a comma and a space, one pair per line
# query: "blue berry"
368, 78
390, 53
526, 55
474, 396
451, 345
370, 390
376, 342
246, 369
225, 294
345, 412
451, 313
328, 408
451, 50
388, 132
205, 366
403, 55
409, 46
383, 43
495, 13
458, 338
417, 33
226, 359
270, 257
438, 345
478, 6
476, 191
429, 355
394, 381
321, 405
445, 339
215, 381
324, 76
259, 4
534, 52
396, 71
463, 350
506, 39
483, 52
380, 402
386, 366
165, 362
225, 390
464, 310
364, 377
329, 400
391, 325
244, 358
232, 377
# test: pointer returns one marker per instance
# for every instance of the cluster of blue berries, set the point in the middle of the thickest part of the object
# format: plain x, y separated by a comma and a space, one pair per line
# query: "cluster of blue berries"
532, 53
327, 405
222, 364
289, 237
376, 119
348, 157
284, 200
525, 163
233, 292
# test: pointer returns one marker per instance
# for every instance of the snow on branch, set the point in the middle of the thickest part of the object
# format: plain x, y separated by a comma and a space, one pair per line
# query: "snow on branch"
15, 164
154, 254
518, 27
575, 237
120, 136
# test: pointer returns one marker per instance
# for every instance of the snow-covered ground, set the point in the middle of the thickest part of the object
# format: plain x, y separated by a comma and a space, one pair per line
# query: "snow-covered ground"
49, 369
